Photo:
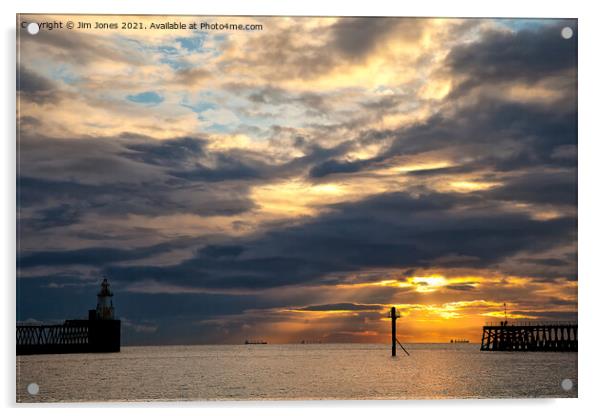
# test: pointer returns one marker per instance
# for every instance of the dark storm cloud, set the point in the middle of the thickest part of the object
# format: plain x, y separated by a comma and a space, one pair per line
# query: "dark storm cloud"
188, 159
60, 179
548, 262
28, 122
494, 135
58, 216
502, 135
462, 288
314, 156
121, 199
63, 182
29, 81
341, 307
443, 171
526, 55
227, 168
330, 167
35, 87
94, 256
558, 188
32, 192
356, 37
388, 231
171, 153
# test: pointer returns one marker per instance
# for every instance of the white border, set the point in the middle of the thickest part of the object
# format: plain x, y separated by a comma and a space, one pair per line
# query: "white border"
590, 153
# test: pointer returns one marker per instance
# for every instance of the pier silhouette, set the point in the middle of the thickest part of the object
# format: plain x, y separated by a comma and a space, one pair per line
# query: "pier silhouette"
101, 332
530, 336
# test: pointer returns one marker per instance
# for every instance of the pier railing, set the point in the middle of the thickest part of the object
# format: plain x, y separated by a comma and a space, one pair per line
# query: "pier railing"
51, 335
74, 336
530, 336
529, 322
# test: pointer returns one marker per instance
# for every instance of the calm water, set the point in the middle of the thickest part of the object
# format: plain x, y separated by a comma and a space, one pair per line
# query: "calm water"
282, 372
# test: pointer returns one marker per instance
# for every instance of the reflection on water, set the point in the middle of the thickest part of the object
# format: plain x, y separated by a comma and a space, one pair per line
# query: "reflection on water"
324, 371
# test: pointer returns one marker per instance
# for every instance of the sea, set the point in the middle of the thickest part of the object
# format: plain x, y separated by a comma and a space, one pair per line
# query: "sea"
295, 372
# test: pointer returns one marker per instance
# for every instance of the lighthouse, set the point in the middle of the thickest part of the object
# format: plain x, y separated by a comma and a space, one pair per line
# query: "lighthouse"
101, 332
104, 331
104, 305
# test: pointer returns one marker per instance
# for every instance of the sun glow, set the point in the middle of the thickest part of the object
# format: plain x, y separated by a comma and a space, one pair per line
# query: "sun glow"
428, 283
423, 284
470, 186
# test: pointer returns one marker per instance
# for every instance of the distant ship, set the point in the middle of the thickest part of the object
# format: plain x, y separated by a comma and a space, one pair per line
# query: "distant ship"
247, 342
459, 341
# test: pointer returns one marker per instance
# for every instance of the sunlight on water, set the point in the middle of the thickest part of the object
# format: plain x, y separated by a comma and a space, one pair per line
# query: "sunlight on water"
282, 372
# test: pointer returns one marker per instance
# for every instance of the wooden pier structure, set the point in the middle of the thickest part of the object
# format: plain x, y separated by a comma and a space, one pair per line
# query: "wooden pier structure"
530, 336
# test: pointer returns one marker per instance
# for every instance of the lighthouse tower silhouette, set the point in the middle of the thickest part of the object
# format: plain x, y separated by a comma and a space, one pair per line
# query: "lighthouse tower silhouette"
104, 331
104, 305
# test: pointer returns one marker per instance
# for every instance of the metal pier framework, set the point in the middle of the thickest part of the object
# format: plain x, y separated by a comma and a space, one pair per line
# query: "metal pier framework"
74, 336
561, 337
101, 332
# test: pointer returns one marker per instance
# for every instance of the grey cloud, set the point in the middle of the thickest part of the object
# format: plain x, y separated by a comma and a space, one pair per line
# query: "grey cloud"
529, 55
356, 37
342, 307
388, 231
559, 188
463, 288
331, 166
31, 82
349, 39
171, 153
227, 168
191, 76
36, 88
67, 182
94, 256
56, 216
83, 49
122, 199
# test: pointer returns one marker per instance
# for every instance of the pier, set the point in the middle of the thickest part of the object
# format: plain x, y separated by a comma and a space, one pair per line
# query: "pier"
72, 337
101, 332
530, 336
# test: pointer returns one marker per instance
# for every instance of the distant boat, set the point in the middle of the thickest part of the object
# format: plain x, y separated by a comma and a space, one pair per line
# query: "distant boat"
459, 341
247, 342
310, 342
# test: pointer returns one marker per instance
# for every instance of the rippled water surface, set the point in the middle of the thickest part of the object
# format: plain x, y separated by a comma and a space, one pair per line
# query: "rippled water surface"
283, 372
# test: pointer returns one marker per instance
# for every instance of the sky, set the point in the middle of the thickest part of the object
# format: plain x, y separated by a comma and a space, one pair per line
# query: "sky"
295, 182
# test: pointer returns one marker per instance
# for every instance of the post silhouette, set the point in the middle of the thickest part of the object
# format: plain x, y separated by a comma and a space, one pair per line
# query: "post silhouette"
393, 332
394, 341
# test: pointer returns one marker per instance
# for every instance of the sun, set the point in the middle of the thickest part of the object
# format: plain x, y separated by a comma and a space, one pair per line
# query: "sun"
427, 283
